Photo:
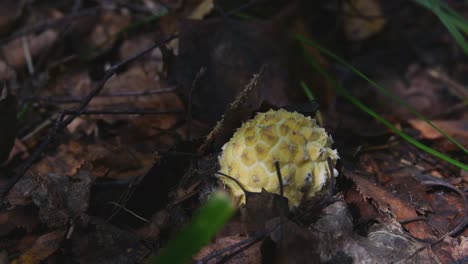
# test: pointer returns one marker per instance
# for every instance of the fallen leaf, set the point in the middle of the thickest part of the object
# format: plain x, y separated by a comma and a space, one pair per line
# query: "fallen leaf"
362, 19
261, 208
453, 250
10, 11
389, 204
220, 47
385, 242
64, 162
294, 244
417, 88
14, 51
44, 246
6, 72
18, 218
61, 198
454, 128
105, 244
106, 30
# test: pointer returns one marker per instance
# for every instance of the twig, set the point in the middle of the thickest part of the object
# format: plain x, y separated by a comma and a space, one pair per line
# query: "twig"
68, 100
240, 99
125, 112
236, 181
199, 75
60, 123
130, 212
27, 55
280, 179
242, 245
238, 247
49, 24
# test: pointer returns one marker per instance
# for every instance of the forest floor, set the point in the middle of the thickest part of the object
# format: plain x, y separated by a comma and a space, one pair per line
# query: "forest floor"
106, 107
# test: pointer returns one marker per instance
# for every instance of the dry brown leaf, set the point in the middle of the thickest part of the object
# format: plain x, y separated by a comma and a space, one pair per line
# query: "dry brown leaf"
6, 72
44, 246
389, 204
457, 249
65, 162
105, 32
18, 217
262, 207
294, 244
422, 92
454, 128
10, 11
220, 47
362, 19
14, 51
137, 79
105, 243
250, 255
61, 199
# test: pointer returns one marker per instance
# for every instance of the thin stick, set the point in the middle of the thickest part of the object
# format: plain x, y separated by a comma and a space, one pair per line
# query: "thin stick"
129, 211
199, 75
280, 179
240, 99
125, 112
71, 100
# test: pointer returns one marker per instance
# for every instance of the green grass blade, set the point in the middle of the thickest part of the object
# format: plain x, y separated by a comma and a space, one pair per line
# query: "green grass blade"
307, 91
378, 117
380, 88
450, 19
454, 32
210, 219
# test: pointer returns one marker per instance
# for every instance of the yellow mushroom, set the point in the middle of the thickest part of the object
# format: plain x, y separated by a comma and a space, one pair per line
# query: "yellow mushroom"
295, 141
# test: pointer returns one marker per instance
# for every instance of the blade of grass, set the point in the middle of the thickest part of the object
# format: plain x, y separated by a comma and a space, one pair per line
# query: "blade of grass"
450, 18
379, 87
311, 97
378, 117
211, 218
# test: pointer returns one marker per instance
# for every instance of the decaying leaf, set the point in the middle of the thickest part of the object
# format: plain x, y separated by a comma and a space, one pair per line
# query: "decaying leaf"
454, 128
108, 244
44, 246
104, 34
10, 11
6, 72
388, 203
18, 218
362, 19
262, 207
293, 244
384, 243
454, 250
15, 50
61, 199
231, 52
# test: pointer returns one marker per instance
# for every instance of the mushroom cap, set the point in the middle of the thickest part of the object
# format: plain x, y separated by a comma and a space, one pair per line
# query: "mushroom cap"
295, 141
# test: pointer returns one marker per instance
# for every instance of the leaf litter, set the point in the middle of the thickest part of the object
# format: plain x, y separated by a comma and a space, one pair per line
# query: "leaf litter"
117, 142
